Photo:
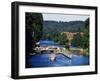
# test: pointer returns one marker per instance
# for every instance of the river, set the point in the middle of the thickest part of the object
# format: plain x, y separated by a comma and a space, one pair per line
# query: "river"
42, 60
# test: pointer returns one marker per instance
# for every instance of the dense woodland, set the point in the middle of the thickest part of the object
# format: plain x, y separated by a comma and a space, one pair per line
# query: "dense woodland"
82, 40
34, 29
55, 26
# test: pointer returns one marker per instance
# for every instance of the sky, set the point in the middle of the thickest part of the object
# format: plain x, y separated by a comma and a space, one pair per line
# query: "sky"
64, 17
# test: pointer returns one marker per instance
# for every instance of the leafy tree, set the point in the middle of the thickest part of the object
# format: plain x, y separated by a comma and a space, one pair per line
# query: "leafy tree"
34, 26
82, 40
63, 39
77, 40
86, 34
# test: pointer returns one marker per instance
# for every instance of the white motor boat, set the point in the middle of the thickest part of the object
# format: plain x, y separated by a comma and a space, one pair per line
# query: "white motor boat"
52, 56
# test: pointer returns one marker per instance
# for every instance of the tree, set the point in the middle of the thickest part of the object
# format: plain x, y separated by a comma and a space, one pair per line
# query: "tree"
34, 26
82, 40
86, 34
77, 40
63, 39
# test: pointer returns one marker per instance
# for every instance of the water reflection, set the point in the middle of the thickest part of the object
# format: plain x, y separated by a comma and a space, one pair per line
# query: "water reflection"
43, 60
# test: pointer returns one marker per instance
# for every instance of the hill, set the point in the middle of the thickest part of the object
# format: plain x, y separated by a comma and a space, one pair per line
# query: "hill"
55, 26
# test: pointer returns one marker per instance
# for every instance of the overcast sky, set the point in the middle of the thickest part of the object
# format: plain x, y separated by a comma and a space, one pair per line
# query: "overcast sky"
65, 18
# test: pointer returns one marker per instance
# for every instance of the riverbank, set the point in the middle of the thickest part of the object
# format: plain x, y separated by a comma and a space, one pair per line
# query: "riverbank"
78, 51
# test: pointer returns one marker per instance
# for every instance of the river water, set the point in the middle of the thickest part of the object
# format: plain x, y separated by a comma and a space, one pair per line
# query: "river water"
43, 60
